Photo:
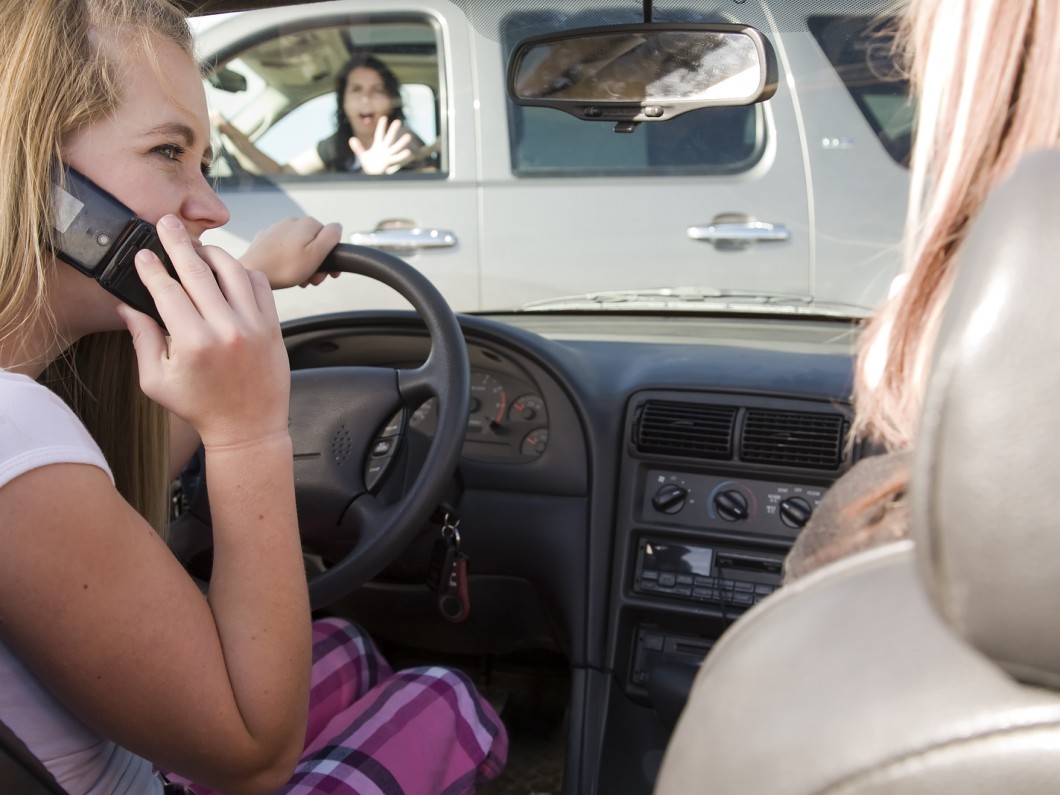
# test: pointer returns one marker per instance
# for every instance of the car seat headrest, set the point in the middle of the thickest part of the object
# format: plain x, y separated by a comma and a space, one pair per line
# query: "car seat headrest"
986, 469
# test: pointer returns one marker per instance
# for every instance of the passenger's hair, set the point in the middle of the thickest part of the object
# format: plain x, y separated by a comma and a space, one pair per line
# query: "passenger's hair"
61, 69
391, 85
987, 76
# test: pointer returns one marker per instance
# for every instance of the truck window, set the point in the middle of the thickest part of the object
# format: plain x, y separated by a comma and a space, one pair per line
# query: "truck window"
548, 142
863, 52
278, 105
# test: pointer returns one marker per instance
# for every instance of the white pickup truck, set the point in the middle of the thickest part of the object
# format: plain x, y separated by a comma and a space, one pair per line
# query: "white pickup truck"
799, 199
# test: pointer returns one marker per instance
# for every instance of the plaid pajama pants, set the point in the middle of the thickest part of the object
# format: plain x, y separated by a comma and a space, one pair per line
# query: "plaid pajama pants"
371, 731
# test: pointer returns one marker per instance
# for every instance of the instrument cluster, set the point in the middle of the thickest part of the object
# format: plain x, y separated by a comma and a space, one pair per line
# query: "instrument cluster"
507, 418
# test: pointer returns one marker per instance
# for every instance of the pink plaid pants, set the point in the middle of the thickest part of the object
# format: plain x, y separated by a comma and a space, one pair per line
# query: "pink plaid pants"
422, 731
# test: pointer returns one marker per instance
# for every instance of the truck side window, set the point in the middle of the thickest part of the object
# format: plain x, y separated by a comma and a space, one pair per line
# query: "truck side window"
547, 142
287, 106
863, 53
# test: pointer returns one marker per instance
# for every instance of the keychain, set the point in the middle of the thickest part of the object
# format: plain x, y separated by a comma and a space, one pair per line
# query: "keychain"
447, 572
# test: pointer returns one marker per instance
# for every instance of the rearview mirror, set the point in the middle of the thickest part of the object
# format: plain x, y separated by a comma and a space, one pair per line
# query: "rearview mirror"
634, 73
227, 80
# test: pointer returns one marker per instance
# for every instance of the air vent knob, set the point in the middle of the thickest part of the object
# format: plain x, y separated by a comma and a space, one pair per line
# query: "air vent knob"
670, 498
731, 505
795, 512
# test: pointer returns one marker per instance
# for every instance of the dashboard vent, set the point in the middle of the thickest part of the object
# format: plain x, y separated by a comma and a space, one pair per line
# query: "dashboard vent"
790, 438
686, 429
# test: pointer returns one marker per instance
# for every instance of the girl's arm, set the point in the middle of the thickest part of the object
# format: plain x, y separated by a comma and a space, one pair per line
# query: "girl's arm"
215, 689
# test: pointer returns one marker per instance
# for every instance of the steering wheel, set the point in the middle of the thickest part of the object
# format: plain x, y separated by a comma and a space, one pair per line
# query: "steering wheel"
342, 422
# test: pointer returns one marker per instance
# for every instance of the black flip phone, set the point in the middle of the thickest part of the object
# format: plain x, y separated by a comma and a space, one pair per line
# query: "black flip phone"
100, 236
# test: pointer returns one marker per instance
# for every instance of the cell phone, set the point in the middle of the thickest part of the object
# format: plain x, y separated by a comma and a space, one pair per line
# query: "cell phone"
99, 236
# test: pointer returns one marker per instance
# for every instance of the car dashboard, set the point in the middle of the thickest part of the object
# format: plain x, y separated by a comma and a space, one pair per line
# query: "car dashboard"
629, 486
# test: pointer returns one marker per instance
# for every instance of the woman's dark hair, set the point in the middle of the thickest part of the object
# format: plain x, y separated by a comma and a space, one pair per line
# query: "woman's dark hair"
391, 85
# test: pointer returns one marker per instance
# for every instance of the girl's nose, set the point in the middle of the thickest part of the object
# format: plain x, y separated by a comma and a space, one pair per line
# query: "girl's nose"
204, 208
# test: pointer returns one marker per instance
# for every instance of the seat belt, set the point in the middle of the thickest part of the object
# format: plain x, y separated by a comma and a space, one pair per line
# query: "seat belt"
21, 771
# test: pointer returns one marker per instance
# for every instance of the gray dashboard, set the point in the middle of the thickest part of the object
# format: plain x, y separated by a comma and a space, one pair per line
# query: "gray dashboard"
629, 486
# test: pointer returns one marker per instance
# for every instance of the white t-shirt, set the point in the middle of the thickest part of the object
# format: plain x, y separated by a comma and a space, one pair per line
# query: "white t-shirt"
37, 428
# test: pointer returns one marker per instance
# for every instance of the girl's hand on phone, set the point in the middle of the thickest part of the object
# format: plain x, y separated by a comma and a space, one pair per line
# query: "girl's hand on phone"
224, 368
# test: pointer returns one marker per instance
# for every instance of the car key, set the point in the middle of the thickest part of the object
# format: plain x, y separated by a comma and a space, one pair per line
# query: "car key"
443, 555
453, 601
447, 572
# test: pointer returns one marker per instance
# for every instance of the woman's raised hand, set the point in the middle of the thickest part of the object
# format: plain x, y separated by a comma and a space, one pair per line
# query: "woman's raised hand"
389, 149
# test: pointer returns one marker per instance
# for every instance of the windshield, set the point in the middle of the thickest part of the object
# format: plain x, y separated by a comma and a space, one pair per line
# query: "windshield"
792, 204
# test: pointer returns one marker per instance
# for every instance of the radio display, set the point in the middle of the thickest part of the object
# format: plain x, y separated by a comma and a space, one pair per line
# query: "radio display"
678, 558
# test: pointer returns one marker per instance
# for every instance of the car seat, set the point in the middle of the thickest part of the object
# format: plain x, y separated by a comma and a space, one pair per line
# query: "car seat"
929, 665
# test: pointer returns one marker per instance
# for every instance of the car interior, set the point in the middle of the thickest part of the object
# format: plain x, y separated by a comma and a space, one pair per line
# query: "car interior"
624, 487
928, 664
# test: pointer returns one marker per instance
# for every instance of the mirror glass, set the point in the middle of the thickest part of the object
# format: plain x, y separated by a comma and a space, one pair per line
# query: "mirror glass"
642, 66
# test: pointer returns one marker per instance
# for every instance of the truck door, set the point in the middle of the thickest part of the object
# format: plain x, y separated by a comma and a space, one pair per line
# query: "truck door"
714, 198
275, 78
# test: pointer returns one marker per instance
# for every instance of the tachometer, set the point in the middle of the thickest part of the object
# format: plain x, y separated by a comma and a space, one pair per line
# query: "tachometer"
488, 406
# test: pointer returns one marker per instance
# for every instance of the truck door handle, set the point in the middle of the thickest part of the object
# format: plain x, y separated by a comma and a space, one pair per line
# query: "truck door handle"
729, 233
403, 235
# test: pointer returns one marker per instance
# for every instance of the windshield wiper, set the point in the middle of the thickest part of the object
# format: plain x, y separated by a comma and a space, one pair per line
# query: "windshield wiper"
707, 299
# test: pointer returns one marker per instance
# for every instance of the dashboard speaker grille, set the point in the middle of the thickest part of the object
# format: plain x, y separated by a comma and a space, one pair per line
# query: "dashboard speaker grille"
789, 438
685, 429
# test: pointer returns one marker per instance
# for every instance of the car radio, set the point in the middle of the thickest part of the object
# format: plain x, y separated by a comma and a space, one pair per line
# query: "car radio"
701, 573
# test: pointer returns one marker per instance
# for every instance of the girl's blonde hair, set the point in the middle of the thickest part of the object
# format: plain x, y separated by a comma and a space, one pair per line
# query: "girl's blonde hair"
61, 69
986, 74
